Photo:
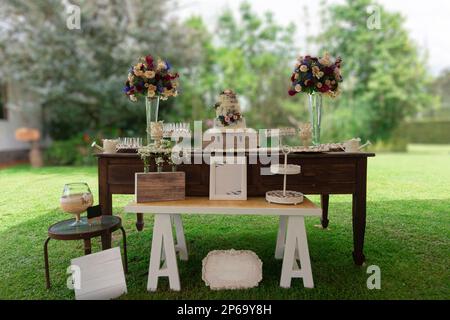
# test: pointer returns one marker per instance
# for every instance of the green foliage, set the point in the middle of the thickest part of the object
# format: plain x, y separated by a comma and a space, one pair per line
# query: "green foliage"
247, 53
254, 58
74, 151
432, 132
440, 88
394, 144
385, 79
78, 75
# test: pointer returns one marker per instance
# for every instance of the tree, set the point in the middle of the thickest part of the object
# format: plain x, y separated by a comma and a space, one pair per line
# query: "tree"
440, 87
253, 57
385, 78
78, 75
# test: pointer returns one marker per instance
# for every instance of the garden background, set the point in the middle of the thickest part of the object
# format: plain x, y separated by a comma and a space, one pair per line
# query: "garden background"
389, 96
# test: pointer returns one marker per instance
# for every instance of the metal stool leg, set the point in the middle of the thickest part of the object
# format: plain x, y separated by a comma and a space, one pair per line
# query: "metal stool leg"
47, 271
124, 238
106, 240
87, 246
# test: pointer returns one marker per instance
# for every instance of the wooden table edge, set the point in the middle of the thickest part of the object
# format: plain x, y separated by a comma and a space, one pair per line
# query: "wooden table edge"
193, 205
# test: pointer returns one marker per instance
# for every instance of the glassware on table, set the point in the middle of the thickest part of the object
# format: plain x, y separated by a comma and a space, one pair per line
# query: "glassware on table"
76, 198
179, 129
129, 143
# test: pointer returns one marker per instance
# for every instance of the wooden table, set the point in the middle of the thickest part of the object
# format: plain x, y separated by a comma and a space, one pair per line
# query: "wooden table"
291, 243
322, 173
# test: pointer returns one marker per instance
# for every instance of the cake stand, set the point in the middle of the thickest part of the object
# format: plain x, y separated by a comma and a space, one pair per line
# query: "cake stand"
284, 196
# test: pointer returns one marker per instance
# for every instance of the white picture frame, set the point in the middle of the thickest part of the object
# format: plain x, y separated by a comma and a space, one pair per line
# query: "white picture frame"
228, 178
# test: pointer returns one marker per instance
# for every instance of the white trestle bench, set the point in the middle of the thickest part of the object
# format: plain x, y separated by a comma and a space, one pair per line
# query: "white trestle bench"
292, 244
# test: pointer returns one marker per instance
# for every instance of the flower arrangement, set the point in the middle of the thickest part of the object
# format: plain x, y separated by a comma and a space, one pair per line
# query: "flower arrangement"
151, 79
154, 151
316, 74
229, 118
162, 153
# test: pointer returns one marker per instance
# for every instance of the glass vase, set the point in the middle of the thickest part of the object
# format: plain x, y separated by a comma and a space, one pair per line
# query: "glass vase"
151, 108
315, 111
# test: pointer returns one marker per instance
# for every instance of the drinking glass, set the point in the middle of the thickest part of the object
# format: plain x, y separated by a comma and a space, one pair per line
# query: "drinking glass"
75, 199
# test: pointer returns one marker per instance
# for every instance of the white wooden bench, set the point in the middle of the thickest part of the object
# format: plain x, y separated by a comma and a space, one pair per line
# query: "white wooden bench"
291, 243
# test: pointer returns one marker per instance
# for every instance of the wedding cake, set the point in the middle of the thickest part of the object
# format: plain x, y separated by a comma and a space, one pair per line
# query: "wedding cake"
230, 130
228, 111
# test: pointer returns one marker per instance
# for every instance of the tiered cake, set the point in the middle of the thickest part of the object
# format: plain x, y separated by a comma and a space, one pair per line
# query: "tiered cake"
230, 131
228, 111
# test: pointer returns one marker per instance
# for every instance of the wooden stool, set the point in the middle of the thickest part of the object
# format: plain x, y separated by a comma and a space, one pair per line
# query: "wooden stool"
64, 231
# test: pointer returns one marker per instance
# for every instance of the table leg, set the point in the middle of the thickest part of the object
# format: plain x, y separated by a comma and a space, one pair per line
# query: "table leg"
359, 227
281, 238
104, 194
296, 243
106, 240
359, 213
87, 246
324, 199
125, 256
181, 240
163, 240
139, 221
47, 269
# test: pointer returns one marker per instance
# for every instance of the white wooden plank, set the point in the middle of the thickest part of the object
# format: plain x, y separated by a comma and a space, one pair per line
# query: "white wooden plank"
110, 280
281, 238
163, 238
289, 252
303, 252
97, 258
181, 240
296, 245
104, 294
101, 275
114, 266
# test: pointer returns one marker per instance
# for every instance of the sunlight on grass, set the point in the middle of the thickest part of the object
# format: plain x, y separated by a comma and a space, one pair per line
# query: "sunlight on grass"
407, 236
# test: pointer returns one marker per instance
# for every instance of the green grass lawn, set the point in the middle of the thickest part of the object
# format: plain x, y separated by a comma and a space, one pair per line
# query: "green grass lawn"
407, 236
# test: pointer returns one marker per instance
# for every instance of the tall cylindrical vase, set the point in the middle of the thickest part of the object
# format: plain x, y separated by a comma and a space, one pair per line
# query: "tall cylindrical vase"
151, 108
315, 110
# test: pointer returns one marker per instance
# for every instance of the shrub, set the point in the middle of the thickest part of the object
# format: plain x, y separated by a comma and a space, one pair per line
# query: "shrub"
394, 144
427, 132
74, 151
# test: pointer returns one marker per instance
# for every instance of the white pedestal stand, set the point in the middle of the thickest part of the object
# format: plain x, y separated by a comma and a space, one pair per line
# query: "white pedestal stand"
284, 196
